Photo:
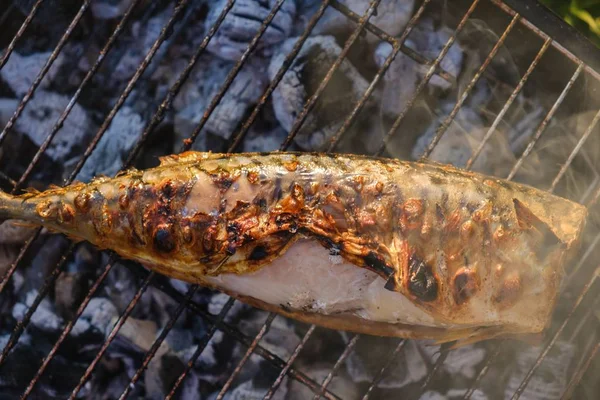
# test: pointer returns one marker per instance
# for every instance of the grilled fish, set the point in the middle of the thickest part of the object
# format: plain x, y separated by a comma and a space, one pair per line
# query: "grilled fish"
375, 246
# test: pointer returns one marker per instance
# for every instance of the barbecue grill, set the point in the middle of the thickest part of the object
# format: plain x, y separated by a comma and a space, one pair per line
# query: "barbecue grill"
556, 59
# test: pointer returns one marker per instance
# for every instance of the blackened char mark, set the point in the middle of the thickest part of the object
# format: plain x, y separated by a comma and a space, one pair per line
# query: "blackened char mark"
258, 253
421, 280
376, 263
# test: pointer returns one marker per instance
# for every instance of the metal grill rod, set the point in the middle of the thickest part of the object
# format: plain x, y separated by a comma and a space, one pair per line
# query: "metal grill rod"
547, 348
336, 366
288, 364
580, 372
309, 105
262, 332
565, 166
508, 103
20, 32
20, 326
543, 35
289, 59
88, 76
377, 378
446, 124
396, 46
65, 332
201, 346
392, 40
427, 77
232, 74
158, 341
43, 71
545, 122
113, 333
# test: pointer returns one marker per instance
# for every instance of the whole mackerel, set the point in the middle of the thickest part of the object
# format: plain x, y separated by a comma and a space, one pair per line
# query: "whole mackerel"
376, 246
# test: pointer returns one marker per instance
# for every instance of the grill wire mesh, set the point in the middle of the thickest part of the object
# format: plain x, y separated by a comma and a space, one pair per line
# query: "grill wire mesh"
573, 323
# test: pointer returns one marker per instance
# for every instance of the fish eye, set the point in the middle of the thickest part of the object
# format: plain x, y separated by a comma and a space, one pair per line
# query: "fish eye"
421, 280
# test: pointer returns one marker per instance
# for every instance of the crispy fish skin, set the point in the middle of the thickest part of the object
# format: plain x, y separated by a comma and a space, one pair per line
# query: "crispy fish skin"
483, 256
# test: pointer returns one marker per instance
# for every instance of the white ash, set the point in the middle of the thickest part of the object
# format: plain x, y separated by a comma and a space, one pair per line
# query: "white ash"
302, 80
20, 71
550, 380
41, 114
243, 22
44, 318
341, 384
114, 146
245, 90
392, 16
99, 315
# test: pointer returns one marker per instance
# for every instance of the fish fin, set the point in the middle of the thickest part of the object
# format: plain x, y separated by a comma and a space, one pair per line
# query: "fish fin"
528, 220
186, 156
30, 192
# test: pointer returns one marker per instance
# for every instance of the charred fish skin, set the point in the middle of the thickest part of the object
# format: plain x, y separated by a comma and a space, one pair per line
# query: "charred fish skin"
466, 249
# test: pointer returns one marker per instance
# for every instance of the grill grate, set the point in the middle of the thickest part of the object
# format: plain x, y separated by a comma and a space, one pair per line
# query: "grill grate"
217, 322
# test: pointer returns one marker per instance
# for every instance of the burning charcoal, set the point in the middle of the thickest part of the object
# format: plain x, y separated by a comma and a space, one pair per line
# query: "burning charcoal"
550, 380
302, 80
370, 353
20, 71
44, 318
392, 16
41, 114
245, 90
242, 23
115, 145
341, 384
